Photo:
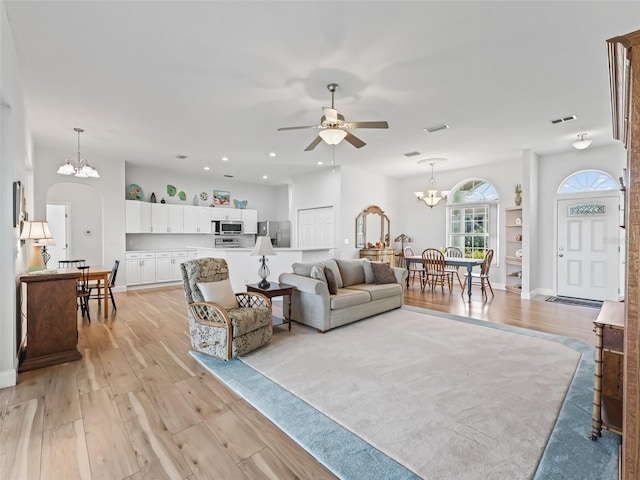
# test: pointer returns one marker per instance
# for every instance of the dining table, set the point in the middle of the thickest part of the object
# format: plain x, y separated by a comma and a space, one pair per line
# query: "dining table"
100, 274
469, 263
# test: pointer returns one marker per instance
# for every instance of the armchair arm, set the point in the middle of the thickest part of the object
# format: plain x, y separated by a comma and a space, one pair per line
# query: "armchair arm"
401, 274
209, 313
252, 300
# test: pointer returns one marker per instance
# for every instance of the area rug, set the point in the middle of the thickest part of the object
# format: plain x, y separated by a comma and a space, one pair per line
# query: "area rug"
579, 302
436, 398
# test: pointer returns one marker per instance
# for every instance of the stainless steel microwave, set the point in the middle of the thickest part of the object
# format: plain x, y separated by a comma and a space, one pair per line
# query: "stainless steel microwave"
227, 227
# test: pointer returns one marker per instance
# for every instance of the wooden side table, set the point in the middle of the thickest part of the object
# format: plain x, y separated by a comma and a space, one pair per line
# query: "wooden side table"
608, 385
275, 290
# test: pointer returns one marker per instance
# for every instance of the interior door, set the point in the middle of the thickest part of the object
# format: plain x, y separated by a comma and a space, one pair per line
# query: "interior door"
57, 217
588, 248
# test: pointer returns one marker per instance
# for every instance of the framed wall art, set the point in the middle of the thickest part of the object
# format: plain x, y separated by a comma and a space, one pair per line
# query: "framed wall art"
221, 197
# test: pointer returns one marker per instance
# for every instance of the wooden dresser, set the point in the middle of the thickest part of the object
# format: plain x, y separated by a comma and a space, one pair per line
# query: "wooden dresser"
49, 307
385, 255
608, 379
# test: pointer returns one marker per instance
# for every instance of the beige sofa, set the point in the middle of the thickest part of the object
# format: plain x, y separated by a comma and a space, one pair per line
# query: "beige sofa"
358, 296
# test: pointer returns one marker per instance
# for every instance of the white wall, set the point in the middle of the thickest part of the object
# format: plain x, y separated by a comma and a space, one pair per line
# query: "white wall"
84, 219
15, 151
553, 170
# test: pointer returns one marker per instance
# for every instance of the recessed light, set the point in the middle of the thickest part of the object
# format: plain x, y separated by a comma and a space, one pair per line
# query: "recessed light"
437, 128
181, 157
207, 168
272, 154
264, 177
320, 162
225, 159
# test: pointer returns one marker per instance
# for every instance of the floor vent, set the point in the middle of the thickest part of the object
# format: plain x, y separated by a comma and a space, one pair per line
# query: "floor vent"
579, 302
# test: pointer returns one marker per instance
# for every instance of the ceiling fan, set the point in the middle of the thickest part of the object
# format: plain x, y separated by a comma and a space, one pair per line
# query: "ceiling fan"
333, 128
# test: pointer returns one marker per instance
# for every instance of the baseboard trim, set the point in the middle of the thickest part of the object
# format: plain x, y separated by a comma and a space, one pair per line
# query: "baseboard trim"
8, 378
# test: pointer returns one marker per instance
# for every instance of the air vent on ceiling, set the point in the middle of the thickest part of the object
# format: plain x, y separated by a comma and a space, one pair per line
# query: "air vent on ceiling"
437, 128
564, 119
229, 176
412, 154
181, 157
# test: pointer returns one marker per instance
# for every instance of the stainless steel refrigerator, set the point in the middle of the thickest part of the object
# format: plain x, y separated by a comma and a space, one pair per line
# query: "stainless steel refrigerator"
280, 233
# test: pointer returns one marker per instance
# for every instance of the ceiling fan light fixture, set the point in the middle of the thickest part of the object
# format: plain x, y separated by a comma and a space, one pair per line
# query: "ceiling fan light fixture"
332, 136
581, 144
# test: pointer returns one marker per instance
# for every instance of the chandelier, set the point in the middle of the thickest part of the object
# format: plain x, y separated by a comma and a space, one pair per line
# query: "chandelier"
432, 196
78, 166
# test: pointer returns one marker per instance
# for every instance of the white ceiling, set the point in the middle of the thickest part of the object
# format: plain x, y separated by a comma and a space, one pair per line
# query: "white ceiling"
150, 80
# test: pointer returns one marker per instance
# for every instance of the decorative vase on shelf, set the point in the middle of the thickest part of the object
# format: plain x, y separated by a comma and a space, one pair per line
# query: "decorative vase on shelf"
162, 201
195, 200
153, 197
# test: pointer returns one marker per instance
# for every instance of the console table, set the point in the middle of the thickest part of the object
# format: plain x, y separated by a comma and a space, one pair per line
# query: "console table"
49, 307
608, 380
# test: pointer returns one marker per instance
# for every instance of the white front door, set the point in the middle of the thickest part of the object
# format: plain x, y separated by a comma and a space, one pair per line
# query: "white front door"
588, 255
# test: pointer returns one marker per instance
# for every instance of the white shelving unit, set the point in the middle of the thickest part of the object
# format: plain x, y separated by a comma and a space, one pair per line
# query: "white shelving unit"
513, 258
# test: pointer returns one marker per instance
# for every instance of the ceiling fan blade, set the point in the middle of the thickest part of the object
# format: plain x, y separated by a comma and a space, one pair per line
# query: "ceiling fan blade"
297, 128
331, 114
367, 125
355, 141
313, 144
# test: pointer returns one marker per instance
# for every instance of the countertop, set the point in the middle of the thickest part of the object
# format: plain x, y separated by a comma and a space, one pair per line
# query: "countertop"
249, 249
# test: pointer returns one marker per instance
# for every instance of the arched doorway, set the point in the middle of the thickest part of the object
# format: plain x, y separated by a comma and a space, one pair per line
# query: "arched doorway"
74, 213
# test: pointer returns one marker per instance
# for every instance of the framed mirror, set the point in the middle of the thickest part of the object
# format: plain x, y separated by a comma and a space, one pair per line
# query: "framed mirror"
372, 226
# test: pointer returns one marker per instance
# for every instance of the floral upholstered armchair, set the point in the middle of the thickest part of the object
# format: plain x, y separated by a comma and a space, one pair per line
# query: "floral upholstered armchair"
223, 324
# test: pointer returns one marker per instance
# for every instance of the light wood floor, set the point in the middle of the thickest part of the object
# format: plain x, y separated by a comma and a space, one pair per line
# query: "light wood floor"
137, 406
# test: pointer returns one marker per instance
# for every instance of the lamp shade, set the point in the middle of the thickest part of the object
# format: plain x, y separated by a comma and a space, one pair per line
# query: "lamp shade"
35, 231
263, 247
332, 136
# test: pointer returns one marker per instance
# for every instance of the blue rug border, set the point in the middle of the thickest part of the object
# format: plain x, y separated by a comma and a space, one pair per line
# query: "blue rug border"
569, 453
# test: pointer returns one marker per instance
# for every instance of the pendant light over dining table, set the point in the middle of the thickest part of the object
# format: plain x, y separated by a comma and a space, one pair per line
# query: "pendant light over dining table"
78, 167
432, 196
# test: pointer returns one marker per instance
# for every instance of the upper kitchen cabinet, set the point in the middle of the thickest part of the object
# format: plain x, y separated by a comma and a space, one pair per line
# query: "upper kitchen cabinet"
250, 221
138, 216
226, 214
197, 219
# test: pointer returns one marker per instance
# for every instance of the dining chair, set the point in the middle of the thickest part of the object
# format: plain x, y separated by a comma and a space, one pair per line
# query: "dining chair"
481, 278
415, 269
433, 263
82, 291
70, 263
111, 282
453, 252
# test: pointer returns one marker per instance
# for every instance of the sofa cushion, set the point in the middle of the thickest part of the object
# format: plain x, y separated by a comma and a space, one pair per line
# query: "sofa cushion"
382, 273
219, 292
351, 271
377, 292
331, 280
304, 269
348, 297
368, 271
317, 273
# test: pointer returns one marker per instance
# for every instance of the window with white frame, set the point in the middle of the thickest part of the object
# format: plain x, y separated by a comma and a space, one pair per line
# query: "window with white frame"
472, 224
587, 181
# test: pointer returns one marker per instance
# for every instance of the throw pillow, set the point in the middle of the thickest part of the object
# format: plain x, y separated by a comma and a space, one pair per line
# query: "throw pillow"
382, 273
219, 292
331, 281
317, 272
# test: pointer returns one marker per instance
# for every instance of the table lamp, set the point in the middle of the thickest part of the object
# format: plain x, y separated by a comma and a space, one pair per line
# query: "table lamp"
263, 248
38, 231
47, 242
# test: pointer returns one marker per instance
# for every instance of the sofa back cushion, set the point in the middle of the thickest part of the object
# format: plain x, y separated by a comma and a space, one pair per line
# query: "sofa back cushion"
352, 271
304, 269
368, 271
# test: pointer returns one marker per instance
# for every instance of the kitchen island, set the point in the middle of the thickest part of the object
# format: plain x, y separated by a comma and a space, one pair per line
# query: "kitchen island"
243, 268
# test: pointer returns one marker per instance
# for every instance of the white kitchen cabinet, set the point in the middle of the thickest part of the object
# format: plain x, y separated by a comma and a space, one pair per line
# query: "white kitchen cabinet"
221, 213
250, 221
175, 219
204, 219
137, 216
190, 219
163, 267
177, 257
141, 268
159, 218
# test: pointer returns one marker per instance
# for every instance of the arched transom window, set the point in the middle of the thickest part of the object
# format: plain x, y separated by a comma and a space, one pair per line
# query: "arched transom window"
587, 181
472, 217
